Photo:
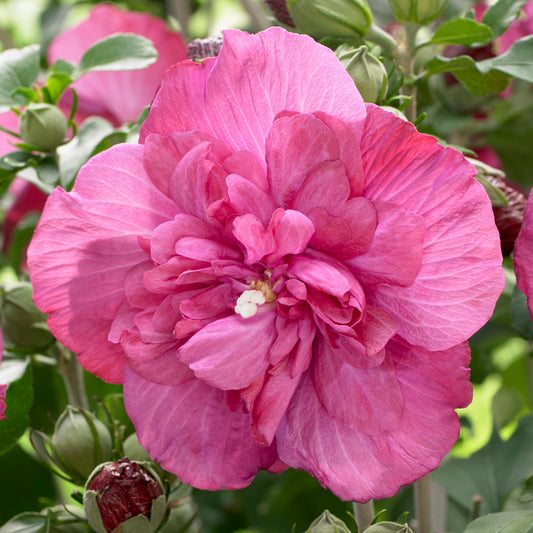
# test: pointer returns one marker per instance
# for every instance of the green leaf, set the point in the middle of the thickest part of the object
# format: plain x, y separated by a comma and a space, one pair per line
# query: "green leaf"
520, 317
17, 374
462, 31
510, 522
466, 70
118, 52
56, 85
499, 15
516, 62
18, 68
48, 171
75, 153
492, 472
63, 67
27, 523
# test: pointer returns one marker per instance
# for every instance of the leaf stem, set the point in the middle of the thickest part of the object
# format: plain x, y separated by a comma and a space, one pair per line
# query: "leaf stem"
406, 59
73, 377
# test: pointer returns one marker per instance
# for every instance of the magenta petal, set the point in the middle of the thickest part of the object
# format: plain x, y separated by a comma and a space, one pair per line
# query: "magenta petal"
365, 399
292, 231
248, 198
102, 93
523, 255
395, 255
250, 232
461, 276
359, 466
232, 352
192, 431
237, 98
85, 244
295, 145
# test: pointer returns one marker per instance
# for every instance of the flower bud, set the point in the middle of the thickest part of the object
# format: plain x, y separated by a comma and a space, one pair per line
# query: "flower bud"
343, 19
22, 323
124, 494
328, 523
43, 125
366, 70
419, 11
201, 48
81, 442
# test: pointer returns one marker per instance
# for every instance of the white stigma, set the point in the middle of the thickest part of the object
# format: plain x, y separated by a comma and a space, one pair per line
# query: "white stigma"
247, 303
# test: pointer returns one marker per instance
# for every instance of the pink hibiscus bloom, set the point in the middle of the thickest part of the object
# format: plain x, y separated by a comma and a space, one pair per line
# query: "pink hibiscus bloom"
3, 388
279, 275
523, 255
118, 96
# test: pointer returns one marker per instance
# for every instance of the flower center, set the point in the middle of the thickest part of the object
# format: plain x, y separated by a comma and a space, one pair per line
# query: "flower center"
260, 292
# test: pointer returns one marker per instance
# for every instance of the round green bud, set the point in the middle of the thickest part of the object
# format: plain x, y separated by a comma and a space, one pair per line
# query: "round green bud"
366, 70
328, 523
133, 450
343, 19
82, 442
43, 125
22, 323
418, 11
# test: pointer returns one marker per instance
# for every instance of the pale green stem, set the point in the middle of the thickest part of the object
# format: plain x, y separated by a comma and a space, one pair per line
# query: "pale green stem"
407, 61
257, 14
73, 377
364, 514
423, 504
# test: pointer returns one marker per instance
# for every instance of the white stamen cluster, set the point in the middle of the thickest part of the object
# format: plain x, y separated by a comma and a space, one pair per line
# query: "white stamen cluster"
247, 303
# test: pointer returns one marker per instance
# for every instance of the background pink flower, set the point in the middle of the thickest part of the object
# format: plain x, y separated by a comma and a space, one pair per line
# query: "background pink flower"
118, 96
279, 275
523, 255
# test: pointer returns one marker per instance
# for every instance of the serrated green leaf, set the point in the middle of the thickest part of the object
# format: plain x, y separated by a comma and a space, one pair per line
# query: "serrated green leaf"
510, 522
17, 374
499, 15
516, 62
462, 31
491, 472
27, 523
123, 51
466, 70
18, 68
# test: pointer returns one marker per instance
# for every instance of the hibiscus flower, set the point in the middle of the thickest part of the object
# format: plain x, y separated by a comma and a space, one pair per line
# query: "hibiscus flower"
523, 255
279, 274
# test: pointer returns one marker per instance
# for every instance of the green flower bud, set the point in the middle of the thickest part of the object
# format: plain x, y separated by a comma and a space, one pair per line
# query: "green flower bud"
23, 324
343, 19
388, 527
328, 523
366, 70
419, 11
124, 496
43, 125
81, 442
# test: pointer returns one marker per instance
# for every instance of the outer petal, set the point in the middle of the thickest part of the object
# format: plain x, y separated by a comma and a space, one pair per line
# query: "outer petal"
461, 276
523, 255
85, 244
102, 93
194, 431
237, 96
358, 466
